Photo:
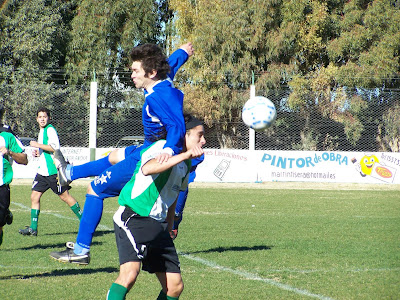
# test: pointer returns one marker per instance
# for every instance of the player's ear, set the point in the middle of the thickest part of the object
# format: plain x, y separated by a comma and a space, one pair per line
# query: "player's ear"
153, 74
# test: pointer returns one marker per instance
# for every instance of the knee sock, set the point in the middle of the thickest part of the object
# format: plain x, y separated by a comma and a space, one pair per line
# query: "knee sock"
77, 210
89, 169
92, 212
117, 292
34, 218
163, 296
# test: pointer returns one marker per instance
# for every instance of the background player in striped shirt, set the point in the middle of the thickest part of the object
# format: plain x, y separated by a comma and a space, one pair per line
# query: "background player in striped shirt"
46, 177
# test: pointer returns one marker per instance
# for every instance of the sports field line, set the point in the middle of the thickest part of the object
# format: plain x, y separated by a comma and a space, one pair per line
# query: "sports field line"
102, 227
213, 265
251, 276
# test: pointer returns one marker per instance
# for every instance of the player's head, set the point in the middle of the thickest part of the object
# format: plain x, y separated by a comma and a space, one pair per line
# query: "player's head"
2, 110
149, 62
43, 117
194, 132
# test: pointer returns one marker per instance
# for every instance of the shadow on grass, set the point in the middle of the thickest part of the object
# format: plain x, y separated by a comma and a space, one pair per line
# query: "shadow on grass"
47, 246
236, 248
69, 272
96, 233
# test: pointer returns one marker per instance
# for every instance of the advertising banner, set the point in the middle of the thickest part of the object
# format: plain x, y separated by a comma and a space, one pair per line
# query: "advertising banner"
306, 166
262, 166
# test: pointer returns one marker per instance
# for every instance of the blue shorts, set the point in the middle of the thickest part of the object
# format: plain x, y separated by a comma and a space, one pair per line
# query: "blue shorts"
129, 150
111, 181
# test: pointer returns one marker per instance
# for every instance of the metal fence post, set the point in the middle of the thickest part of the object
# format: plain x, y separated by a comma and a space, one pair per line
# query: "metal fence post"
93, 118
252, 133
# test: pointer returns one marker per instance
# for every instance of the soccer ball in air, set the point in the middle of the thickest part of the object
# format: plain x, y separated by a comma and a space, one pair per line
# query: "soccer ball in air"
259, 113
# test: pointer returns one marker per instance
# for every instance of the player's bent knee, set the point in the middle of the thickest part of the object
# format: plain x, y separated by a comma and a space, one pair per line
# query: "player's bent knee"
116, 156
175, 290
128, 274
174, 285
90, 190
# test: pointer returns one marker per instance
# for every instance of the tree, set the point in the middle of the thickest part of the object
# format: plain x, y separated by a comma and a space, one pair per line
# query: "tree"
360, 53
230, 42
33, 38
103, 32
320, 50
33, 35
47, 42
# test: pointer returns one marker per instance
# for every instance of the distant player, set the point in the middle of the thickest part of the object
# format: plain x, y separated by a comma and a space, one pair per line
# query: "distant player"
5, 127
11, 150
145, 217
46, 177
162, 117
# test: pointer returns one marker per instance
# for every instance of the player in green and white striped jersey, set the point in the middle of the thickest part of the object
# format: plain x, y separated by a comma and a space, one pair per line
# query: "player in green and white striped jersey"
11, 150
146, 215
46, 177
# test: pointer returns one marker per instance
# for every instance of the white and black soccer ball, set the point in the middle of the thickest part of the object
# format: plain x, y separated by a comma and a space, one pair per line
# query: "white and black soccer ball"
259, 113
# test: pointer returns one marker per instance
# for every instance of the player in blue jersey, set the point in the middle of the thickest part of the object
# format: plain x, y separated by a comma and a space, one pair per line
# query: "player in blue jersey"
67, 173
162, 115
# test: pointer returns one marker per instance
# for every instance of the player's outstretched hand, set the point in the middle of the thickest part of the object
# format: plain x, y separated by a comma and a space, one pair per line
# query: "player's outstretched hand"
3, 150
196, 152
188, 47
163, 157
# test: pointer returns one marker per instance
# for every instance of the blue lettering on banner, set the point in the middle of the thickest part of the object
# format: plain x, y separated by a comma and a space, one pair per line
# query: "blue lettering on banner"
303, 162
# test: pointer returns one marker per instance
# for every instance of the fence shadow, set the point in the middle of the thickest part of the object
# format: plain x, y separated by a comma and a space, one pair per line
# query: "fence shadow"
67, 272
234, 248
46, 246
96, 233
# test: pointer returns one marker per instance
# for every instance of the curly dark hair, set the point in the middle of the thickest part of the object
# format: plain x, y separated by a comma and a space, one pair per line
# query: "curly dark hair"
152, 58
43, 109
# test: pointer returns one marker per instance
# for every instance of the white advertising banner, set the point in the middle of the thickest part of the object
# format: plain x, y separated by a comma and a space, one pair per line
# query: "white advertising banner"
77, 156
306, 166
258, 165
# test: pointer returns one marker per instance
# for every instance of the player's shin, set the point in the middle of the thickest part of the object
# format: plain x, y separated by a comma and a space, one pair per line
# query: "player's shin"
92, 212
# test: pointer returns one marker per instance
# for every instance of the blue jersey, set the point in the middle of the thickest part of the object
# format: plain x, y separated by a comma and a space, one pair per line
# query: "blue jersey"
175, 61
162, 116
162, 113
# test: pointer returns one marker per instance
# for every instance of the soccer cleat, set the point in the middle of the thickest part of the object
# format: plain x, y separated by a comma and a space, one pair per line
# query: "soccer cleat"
28, 231
9, 217
61, 166
68, 256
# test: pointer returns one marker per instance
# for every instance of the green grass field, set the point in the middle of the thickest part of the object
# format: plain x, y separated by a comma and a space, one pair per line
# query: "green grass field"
233, 243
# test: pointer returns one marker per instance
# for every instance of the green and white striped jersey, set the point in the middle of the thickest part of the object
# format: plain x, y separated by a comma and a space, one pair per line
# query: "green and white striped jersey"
152, 195
47, 136
9, 141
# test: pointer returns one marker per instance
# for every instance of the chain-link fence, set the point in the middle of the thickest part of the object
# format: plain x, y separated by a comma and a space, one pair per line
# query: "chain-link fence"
375, 127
